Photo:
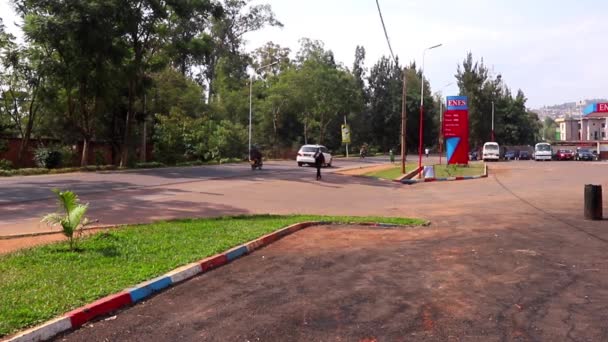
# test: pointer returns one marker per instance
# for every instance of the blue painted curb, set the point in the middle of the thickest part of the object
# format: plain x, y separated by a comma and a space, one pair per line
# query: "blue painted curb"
149, 288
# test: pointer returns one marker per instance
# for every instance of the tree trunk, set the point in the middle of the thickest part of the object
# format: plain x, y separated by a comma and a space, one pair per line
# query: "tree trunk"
321, 129
25, 141
305, 131
124, 156
85, 152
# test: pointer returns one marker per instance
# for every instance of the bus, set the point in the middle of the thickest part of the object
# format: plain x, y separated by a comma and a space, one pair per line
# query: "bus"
490, 151
542, 151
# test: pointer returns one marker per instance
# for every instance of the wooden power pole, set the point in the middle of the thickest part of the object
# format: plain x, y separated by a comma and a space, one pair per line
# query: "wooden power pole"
403, 124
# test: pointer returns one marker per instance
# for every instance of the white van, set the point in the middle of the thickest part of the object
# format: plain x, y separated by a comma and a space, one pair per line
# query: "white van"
490, 151
542, 151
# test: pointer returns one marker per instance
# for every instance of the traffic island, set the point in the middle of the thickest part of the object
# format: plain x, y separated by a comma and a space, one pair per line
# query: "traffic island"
114, 260
442, 178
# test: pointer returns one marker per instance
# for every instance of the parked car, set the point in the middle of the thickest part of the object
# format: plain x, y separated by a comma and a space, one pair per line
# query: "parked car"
306, 155
542, 151
524, 155
564, 155
510, 155
490, 151
584, 154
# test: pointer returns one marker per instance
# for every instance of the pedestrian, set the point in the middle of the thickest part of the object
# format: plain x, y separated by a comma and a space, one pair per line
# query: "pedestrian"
319, 161
391, 154
426, 151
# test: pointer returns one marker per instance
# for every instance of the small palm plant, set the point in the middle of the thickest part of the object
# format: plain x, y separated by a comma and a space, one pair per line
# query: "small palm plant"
71, 215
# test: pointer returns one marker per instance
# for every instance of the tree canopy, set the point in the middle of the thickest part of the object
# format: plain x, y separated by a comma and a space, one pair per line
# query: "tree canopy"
176, 74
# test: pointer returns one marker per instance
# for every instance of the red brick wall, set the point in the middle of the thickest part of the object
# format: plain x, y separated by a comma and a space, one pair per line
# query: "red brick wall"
28, 159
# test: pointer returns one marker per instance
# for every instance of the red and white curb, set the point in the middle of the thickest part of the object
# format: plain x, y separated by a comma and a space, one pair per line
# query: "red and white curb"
102, 307
447, 179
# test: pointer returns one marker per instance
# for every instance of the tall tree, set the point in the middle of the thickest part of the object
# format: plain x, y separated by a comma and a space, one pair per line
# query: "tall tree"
80, 38
471, 77
239, 18
22, 83
385, 88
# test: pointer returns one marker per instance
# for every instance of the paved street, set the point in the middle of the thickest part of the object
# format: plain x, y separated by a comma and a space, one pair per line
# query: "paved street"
145, 195
507, 258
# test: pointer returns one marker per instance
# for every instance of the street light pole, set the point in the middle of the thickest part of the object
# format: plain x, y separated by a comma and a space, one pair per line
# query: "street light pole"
251, 100
403, 122
492, 121
422, 105
250, 111
441, 122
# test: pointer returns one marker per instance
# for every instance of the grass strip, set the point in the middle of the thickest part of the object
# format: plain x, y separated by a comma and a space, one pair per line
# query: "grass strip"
391, 173
43, 282
473, 169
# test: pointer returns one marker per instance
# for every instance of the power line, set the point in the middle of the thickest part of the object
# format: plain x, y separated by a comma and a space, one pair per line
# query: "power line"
388, 41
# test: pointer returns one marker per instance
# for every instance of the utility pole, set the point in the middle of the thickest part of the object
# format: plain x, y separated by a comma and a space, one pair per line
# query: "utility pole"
492, 121
403, 123
440, 129
421, 123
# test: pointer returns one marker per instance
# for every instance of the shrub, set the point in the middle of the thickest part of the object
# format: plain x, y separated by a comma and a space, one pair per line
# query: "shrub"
5, 164
3, 145
47, 157
191, 163
69, 156
179, 138
29, 172
149, 165
100, 159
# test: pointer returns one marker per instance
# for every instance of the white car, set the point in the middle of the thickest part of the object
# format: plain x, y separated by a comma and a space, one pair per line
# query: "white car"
542, 151
490, 151
306, 155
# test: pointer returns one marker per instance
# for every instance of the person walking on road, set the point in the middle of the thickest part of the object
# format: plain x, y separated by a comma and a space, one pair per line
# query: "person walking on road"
426, 152
319, 161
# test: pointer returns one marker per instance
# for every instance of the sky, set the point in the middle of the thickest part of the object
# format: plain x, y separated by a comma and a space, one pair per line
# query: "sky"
555, 51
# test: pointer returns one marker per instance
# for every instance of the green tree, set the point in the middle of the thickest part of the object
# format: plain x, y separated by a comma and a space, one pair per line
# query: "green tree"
227, 59
23, 83
471, 77
548, 129
80, 40
514, 124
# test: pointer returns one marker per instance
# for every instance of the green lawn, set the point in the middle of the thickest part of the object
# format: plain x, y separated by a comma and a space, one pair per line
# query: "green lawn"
44, 282
392, 173
474, 169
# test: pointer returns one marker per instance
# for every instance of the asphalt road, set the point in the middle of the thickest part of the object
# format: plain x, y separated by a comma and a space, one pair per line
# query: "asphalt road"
361, 284
151, 194
508, 258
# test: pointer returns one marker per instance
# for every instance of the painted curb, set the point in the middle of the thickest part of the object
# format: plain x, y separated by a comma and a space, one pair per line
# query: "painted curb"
409, 175
112, 303
45, 331
447, 179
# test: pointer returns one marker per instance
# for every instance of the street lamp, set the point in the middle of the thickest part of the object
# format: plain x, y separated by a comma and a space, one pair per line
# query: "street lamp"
493, 138
441, 122
251, 99
422, 105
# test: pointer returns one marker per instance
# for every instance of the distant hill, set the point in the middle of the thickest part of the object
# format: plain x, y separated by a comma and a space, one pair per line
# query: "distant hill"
564, 109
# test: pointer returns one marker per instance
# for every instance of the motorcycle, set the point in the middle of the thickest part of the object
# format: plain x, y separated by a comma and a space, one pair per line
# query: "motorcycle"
362, 154
256, 164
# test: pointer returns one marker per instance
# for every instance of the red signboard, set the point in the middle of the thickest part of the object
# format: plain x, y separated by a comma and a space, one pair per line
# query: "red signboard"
456, 130
602, 107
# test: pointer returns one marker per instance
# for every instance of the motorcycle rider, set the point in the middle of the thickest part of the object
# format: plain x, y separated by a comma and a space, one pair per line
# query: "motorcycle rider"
256, 156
